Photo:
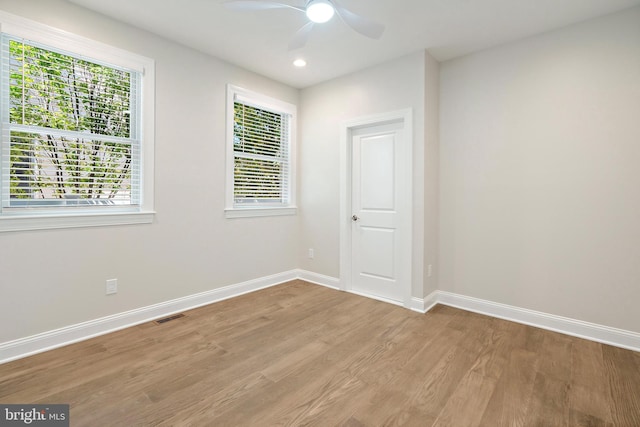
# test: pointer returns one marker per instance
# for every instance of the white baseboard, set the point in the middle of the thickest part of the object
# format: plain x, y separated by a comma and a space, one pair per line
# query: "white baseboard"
49, 340
376, 297
591, 331
417, 304
422, 305
577, 328
318, 279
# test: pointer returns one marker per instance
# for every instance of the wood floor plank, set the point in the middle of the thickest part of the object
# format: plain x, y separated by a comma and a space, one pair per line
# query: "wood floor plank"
387, 408
300, 354
580, 419
624, 386
470, 398
476, 387
549, 402
380, 401
511, 397
333, 367
307, 376
589, 392
556, 356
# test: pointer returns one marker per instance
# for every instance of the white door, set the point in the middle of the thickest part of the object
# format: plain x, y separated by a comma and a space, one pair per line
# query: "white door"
376, 180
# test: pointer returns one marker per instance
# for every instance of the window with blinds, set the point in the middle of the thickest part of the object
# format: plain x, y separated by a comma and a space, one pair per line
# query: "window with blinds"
262, 145
70, 130
261, 158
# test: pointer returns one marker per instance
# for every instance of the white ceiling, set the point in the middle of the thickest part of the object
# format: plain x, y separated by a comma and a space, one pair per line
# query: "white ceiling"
258, 40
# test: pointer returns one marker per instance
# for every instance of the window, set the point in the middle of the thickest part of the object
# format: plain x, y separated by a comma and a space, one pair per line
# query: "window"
75, 140
260, 149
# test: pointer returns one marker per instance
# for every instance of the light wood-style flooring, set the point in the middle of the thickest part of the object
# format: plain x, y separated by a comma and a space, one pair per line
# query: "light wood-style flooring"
300, 354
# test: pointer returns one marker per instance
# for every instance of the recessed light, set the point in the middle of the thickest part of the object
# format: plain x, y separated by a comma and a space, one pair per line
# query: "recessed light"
300, 63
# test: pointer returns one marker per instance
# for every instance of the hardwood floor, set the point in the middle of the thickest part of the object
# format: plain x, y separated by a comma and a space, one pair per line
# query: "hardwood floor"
300, 354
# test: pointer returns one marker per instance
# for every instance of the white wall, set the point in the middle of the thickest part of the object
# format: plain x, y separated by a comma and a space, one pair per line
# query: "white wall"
51, 279
530, 171
539, 183
431, 173
391, 86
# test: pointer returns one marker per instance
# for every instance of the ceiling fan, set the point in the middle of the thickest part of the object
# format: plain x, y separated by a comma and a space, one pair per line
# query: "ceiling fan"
318, 12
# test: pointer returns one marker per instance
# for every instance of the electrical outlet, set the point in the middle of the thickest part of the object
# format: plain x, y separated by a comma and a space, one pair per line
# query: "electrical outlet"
429, 271
112, 286
311, 254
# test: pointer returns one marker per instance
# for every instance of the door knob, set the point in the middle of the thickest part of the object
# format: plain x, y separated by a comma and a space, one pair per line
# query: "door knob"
355, 217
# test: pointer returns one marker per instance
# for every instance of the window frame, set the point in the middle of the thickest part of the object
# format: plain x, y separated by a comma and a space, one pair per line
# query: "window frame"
17, 219
233, 210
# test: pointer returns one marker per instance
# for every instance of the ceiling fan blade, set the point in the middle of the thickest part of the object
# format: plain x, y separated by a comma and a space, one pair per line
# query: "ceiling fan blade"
301, 37
258, 5
362, 25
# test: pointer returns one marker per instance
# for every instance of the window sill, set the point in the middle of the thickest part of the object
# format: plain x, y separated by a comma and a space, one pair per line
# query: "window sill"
46, 222
256, 212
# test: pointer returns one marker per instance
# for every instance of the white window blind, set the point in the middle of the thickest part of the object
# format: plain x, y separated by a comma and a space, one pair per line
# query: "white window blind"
70, 130
261, 142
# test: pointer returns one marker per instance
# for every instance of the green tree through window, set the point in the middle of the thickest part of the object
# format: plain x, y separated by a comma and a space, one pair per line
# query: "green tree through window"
260, 155
72, 128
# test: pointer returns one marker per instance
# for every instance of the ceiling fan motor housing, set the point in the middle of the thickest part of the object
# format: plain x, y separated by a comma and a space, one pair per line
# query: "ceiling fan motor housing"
320, 11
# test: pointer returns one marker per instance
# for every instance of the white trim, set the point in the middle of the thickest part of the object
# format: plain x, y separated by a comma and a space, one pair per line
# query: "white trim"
422, 305
254, 212
49, 340
564, 325
417, 304
319, 279
44, 34
346, 128
430, 301
261, 101
377, 298
109, 55
46, 222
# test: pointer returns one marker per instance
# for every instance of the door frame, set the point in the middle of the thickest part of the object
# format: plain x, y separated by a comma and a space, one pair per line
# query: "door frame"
405, 216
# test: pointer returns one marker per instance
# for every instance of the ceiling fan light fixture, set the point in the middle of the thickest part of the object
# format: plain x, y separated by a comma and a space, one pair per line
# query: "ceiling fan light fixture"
320, 11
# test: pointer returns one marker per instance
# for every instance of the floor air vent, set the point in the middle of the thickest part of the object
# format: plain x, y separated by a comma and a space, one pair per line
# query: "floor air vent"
168, 319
